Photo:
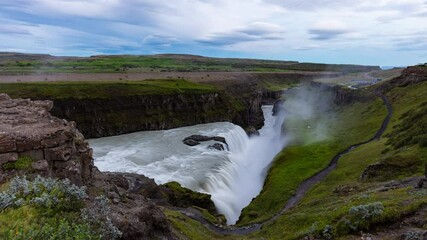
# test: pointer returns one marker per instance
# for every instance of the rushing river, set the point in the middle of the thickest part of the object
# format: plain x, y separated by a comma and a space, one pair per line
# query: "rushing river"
232, 177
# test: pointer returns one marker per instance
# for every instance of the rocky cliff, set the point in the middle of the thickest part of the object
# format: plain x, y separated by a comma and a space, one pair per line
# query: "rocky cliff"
410, 75
31, 140
126, 114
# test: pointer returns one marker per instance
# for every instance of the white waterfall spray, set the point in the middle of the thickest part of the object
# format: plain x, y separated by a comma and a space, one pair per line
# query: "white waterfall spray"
240, 179
232, 177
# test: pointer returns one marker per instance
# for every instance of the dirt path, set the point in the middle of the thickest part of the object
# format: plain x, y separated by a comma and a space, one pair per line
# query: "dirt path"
301, 190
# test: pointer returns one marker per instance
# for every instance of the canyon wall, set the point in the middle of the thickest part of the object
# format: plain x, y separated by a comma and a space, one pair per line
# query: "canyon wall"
125, 114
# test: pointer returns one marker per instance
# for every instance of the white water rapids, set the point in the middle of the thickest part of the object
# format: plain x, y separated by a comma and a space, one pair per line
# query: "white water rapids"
232, 177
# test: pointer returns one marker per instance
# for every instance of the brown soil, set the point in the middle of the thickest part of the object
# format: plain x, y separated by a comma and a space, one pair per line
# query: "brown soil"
192, 76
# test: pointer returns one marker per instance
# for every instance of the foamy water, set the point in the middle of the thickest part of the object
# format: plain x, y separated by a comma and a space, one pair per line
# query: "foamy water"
232, 177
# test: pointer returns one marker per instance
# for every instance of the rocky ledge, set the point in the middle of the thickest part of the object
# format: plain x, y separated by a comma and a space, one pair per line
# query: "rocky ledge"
32, 142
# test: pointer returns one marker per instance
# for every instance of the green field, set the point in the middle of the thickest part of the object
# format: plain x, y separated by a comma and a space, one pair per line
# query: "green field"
99, 89
12, 64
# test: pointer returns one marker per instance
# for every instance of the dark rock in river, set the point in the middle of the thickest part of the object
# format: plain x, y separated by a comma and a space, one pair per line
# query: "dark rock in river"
251, 131
190, 142
217, 146
194, 140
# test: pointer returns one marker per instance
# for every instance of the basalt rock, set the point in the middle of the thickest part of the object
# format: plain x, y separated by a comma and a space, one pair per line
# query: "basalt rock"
217, 146
29, 133
134, 209
194, 140
252, 131
125, 114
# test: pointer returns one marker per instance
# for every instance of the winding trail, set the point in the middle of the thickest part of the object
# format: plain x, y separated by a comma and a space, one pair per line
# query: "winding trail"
301, 190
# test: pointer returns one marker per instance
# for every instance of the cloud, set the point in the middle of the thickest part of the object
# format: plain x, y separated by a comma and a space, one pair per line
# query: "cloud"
256, 31
13, 30
159, 41
325, 30
309, 30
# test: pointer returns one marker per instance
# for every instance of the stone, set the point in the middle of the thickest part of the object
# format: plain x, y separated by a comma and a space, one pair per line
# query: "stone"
40, 165
8, 157
47, 105
190, 142
62, 153
28, 143
4, 97
7, 143
194, 140
251, 131
33, 154
216, 146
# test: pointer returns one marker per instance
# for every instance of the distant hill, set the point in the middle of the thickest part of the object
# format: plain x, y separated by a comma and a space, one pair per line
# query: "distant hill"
20, 63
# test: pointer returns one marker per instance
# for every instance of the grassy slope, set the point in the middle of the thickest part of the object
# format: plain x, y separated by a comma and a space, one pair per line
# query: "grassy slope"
322, 206
329, 201
64, 90
298, 162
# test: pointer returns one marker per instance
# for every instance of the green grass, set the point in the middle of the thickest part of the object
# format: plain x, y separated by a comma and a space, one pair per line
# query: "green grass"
117, 64
328, 202
23, 163
93, 90
189, 228
327, 206
350, 125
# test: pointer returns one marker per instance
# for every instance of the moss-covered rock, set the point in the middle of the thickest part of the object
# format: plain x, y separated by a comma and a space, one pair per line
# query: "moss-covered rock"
183, 197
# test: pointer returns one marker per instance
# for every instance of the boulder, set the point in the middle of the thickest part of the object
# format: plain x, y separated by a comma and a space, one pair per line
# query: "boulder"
194, 140
252, 131
190, 142
216, 146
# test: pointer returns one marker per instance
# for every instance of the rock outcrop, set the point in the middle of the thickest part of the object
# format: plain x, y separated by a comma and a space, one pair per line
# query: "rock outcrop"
135, 211
410, 75
31, 140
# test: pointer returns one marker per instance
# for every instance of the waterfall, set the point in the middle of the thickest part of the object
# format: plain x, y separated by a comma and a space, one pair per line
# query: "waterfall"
232, 177
241, 178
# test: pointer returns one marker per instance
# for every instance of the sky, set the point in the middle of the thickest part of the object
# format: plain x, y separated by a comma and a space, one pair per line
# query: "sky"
370, 32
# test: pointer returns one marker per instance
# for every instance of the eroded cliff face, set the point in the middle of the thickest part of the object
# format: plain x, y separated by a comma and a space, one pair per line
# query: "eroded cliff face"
126, 114
31, 140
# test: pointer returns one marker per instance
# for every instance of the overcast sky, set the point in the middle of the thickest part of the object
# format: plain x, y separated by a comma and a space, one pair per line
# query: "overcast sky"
376, 32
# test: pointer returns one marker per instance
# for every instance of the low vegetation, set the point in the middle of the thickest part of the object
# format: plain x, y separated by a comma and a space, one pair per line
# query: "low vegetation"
102, 89
36, 64
344, 205
45, 208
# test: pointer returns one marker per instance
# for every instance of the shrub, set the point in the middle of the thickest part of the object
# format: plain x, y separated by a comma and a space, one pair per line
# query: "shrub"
42, 192
59, 211
361, 218
96, 215
58, 231
413, 236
